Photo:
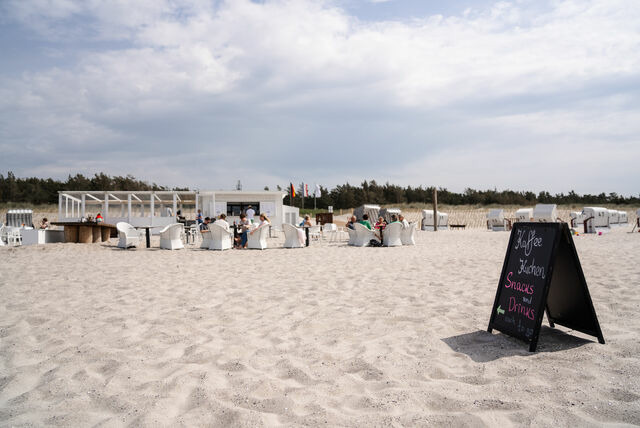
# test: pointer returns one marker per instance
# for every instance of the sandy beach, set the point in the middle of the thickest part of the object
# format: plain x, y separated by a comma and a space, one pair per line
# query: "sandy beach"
330, 335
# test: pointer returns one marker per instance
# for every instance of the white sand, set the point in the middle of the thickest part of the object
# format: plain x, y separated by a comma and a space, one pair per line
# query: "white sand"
328, 335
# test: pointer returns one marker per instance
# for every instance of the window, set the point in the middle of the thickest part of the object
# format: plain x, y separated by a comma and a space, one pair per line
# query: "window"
237, 208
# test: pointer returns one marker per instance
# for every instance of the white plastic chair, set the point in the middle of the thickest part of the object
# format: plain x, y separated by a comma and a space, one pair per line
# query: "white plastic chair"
258, 240
391, 236
129, 236
408, 234
315, 232
291, 236
171, 236
363, 236
329, 230
219, 237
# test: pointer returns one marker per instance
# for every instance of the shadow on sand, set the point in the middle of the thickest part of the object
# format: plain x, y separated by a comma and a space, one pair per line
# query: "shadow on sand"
482, 346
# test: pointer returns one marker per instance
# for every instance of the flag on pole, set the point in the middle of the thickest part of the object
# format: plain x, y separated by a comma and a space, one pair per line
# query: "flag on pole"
293, 190
306, 190
317, 193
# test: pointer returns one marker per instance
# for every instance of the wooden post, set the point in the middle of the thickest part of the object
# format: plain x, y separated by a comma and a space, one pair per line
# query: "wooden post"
435, 209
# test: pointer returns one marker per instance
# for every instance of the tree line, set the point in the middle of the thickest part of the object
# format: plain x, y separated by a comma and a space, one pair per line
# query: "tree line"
35, 190
370, 192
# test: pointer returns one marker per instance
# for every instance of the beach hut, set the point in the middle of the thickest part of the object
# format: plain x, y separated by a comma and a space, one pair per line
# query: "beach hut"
545, 213
614, 217
524, 214
427, 220
386, 213
373, 211
596, 219
496, 220
577, 219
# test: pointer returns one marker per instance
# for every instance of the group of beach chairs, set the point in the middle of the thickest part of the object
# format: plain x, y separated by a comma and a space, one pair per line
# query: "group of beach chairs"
393, 235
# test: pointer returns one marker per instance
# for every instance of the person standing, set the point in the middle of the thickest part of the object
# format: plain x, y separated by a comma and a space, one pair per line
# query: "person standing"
199, 219
251, 213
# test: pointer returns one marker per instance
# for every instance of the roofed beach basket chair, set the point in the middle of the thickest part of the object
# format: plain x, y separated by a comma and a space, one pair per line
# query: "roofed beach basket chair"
545, 213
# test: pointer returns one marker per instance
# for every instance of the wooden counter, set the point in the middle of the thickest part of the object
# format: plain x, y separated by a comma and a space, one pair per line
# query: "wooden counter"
85, 233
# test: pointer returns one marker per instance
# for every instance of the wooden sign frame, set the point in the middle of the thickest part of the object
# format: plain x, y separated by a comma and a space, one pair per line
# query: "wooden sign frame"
565, 295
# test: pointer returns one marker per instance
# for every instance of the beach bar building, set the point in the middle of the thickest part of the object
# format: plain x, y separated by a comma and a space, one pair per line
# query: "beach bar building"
159, 208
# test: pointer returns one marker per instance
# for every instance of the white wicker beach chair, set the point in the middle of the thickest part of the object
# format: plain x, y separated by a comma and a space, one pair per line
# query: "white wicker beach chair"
391, 236
315, 232
219, 237
129, 236
363, 236
258, 240
408, 234
206, 238
3, 235
171, 237
291, 236
352, 236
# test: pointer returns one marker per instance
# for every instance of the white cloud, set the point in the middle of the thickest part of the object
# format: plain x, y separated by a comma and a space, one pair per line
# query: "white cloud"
285, 74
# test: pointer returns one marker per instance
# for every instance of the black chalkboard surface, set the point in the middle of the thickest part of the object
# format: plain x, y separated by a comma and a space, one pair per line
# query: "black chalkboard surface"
541, 272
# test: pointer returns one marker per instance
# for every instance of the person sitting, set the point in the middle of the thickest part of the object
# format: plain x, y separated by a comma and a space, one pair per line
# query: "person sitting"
381, 223
244, 226
264, 221
204, 226
365, 221
351, 222
99, 218
44, 224
405, 223
180, 218
394, 219
222, 221
199, 219
306, 222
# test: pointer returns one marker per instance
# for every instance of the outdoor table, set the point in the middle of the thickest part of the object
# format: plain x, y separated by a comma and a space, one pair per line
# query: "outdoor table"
148, 233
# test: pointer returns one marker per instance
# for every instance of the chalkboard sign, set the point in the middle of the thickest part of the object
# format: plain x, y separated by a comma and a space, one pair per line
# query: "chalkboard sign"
541, 272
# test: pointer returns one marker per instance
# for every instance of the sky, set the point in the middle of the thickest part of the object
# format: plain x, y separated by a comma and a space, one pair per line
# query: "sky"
523, 95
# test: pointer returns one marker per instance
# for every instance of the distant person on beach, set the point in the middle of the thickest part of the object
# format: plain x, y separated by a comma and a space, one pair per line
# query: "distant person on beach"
405, 223
351, 222
99, 218
199, 219
44, 224
204, 226
365, 221
251, 213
